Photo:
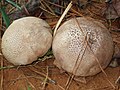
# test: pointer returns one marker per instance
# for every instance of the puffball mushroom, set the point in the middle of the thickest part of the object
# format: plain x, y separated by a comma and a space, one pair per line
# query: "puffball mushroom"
79, 43
25, 40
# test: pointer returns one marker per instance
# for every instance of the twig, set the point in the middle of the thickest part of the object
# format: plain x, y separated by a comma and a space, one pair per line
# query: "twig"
11, 9
44, 75
55, 4
48, 6
77, 62
7, 67
14, 80
45, 81
42, 4
76, 66
1, 85
117, 82
49, 80
102, 68
20, 78
1, 26
72, 10
28, 80
79, 25
61, 18
45, 58
60, 87
69, 80
104, 88
48, 11
43, 7
40, 14
98, 61
26, 10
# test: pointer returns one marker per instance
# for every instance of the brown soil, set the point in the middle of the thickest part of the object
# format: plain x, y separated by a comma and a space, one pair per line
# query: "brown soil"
22, 77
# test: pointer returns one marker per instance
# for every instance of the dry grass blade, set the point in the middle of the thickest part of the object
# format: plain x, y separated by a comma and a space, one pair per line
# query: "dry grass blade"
61, 18
48, 11
76, 12
72, 10
77, 62
28, 81
0, 25
97, 60
117, 82
14, 80
45, 81
27, 12
1, 85
42, 74
11, 10
55, 4
43, 7
60, 87
48, 6
102, 68
76, 66
69, 82
1, 57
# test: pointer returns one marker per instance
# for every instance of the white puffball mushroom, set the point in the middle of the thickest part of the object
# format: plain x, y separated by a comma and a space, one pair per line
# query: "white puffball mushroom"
78, 42
25, 40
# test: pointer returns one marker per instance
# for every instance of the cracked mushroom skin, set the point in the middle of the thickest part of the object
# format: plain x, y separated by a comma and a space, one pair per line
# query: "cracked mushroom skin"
78, 42
25, 40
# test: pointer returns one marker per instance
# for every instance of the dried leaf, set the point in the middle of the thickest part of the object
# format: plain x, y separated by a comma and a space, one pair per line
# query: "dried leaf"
113, 10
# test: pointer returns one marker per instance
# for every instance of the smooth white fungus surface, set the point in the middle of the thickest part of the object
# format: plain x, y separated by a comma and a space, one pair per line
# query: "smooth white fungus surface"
25, 40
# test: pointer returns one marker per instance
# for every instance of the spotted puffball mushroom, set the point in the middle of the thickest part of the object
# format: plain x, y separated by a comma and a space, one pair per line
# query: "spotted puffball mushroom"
25, 40
80, 44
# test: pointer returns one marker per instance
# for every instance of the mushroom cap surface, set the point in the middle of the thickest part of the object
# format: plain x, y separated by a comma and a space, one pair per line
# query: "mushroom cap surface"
78, 45
25, 40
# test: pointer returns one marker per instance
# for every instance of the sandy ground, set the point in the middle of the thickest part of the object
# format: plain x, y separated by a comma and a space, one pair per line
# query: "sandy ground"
33, 76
